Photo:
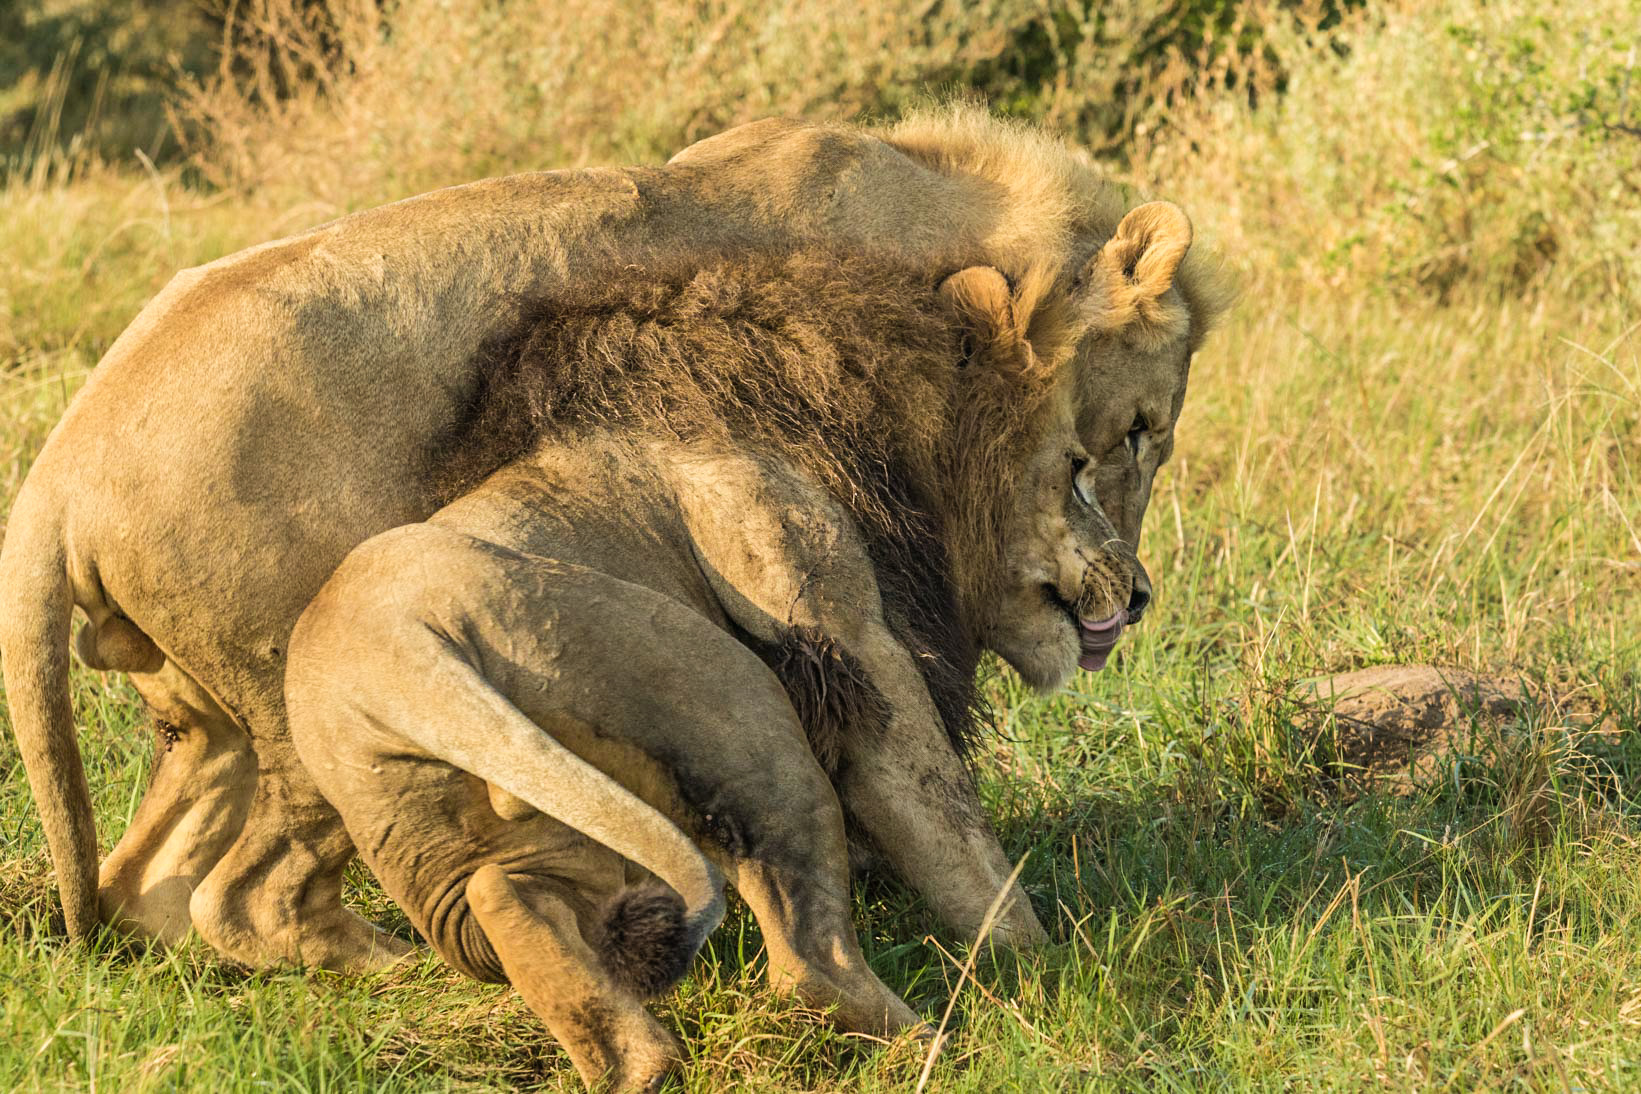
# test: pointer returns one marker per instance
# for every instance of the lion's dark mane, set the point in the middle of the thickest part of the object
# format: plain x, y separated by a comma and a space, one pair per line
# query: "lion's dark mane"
849, 367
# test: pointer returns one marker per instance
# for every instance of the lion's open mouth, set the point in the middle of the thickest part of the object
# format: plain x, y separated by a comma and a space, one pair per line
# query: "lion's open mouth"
1099, 639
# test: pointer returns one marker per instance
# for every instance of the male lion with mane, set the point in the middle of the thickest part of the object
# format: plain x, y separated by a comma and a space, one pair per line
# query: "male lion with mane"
706, 592
268, 412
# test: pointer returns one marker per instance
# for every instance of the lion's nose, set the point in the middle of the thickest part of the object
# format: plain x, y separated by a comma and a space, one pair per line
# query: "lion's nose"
1140, 597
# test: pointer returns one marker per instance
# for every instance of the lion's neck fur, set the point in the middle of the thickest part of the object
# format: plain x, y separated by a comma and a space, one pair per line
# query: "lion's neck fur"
947, 185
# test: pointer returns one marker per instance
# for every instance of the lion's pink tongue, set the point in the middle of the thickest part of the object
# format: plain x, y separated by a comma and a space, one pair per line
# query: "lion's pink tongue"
1099, 639
1093, 662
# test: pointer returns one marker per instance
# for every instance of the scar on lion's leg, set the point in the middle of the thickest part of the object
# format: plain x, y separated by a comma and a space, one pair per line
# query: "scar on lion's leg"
203, 778
193, 809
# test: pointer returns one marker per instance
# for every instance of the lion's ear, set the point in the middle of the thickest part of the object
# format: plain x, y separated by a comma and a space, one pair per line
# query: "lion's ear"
984, 305
1126, 281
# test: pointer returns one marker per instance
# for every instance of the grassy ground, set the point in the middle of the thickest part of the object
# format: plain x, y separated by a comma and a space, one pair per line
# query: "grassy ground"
1416, 440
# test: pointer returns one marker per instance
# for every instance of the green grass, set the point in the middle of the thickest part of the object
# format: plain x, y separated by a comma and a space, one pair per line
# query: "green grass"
1416, 440
1221, 922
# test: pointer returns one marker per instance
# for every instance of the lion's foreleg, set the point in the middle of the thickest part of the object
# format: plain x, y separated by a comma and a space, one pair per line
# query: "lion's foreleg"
790, 559
908, 791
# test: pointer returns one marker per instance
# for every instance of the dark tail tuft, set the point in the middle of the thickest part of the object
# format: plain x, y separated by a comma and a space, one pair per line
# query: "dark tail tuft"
645, 944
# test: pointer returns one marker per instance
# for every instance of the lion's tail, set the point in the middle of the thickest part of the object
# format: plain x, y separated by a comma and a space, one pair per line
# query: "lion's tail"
36, 611
650, 933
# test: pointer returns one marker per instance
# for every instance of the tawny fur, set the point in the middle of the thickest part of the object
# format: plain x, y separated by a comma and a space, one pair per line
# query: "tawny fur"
1053, 190
850, 368
592, 628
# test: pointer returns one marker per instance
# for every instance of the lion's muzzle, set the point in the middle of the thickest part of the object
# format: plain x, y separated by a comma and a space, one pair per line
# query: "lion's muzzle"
1102, 590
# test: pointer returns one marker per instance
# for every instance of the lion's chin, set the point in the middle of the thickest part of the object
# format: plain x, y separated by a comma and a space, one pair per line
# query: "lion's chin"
1047, 681
1045, 663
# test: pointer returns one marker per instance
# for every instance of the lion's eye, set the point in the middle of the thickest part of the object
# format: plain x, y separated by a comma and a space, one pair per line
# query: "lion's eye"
1078, 463
1137, 432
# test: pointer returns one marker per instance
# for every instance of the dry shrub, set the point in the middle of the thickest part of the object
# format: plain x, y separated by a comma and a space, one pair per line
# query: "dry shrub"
1438, 148
1427, 409
83, 80
354, 102
1433, 147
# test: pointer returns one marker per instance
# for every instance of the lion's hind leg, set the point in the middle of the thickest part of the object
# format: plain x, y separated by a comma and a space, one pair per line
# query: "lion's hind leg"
203, 779
608, 1034
691, 715
454, 798
276, 894
505, 893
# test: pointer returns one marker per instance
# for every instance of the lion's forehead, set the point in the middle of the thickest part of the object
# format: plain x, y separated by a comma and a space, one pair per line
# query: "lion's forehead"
1117, 382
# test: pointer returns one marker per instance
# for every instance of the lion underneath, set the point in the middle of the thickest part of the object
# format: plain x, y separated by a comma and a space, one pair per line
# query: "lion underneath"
723, 584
